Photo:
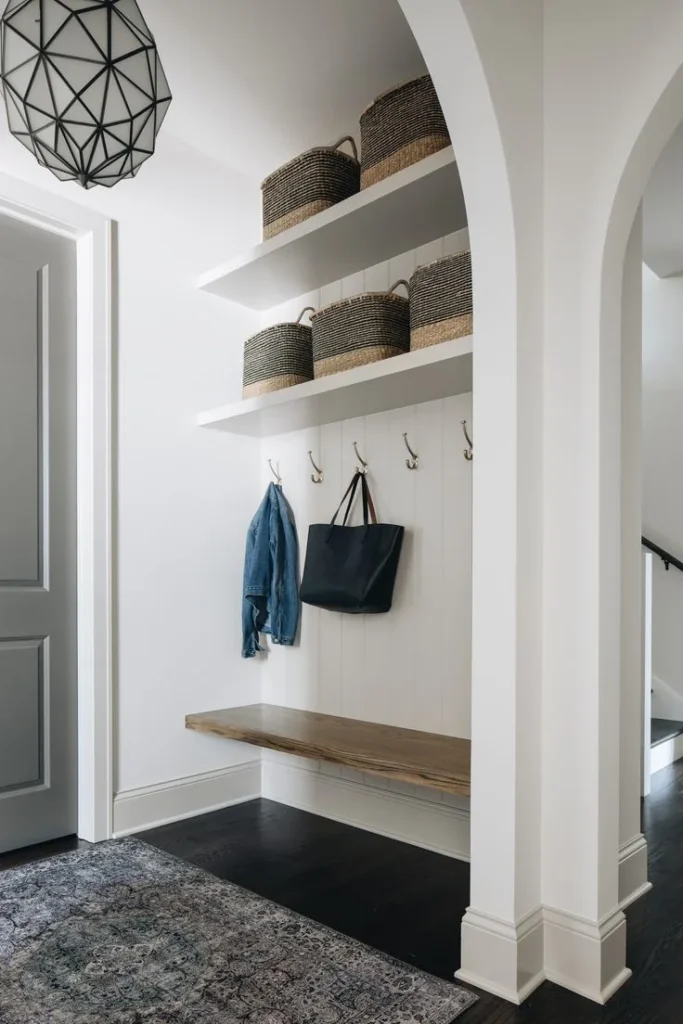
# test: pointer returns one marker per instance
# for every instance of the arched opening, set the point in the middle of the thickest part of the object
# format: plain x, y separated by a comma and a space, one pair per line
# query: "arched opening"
635, 235
414, 669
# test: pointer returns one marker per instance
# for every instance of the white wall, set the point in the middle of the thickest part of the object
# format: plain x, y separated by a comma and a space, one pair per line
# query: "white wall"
180, 519
663, 483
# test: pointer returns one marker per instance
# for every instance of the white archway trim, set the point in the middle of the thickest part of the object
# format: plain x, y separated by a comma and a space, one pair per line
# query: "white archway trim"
487, 68
92, 233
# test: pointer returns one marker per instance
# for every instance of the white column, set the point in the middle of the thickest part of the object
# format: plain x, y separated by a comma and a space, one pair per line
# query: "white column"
486, 59
502, 932
585, 930
633, 881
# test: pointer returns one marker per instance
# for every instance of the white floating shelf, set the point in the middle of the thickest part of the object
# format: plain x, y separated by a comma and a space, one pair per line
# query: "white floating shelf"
420, 376
402, 212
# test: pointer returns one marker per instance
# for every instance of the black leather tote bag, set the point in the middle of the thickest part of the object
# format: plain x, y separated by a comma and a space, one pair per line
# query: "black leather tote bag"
352, 568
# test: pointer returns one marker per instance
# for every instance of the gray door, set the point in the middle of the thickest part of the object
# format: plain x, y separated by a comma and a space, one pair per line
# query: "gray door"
38, 665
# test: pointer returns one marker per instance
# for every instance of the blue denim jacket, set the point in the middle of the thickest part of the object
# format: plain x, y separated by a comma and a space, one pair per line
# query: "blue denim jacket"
271, 592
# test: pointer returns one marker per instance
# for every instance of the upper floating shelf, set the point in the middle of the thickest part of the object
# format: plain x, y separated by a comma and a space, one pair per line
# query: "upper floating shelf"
421, 376
402, 212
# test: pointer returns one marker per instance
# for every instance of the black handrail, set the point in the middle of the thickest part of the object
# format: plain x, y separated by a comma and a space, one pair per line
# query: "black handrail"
665, 556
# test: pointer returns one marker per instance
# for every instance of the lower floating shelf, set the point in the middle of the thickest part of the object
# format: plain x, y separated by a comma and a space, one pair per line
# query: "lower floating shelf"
421, 376
423, 758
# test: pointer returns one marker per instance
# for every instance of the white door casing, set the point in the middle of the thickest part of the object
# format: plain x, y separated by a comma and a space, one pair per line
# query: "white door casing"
92, 233
38, 662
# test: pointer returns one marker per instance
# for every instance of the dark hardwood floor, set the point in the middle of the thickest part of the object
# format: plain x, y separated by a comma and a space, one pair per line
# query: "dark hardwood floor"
30, 854
408, 902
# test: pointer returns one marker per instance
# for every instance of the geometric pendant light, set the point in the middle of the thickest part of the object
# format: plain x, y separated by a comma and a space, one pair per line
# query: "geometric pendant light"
84, 88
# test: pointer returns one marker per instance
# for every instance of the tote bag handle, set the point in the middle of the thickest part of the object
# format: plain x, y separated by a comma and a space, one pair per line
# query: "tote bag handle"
369, 513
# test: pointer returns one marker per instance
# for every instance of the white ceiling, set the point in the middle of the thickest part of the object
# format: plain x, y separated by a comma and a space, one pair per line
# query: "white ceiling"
663, 212
257, 81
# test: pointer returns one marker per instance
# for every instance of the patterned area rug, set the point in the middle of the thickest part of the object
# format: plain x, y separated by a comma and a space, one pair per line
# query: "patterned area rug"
122, 933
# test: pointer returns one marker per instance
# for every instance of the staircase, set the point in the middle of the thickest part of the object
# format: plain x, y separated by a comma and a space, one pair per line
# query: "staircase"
666, 743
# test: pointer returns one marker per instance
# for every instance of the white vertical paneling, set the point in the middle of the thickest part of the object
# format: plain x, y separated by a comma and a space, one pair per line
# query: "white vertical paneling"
330, 647
430, 587
410, 667
457, 566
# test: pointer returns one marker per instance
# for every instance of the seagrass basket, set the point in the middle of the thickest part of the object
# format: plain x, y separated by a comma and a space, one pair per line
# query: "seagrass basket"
402, 126
309, 183
278, 357
441, 300
360, 330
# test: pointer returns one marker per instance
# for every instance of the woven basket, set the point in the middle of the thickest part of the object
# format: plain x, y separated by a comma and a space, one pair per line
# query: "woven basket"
441, 301
360, 330
278, 357
311, 182
402, 126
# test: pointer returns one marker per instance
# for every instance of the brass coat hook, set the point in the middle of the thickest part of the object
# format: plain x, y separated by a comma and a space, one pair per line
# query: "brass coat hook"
414, 461
469, 451
278, 478
360, 458
318, 476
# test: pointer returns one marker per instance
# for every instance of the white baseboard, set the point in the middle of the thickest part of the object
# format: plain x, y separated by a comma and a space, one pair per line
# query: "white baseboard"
665, 754
586, 957
433, 826
633, 880
138, 809
500, 957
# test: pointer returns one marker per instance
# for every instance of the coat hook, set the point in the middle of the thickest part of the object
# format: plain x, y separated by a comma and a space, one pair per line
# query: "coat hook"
414, 461
360, 458
469, 451
318, 476
278, 478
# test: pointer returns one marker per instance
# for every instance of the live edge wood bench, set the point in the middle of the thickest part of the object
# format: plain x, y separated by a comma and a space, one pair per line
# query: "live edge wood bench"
423, 758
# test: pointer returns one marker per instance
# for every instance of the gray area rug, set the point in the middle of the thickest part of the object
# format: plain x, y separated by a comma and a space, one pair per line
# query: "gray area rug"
122, 933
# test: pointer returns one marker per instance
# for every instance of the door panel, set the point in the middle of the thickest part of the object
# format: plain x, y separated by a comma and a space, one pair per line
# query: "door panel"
22, 737
38, 640
20, 414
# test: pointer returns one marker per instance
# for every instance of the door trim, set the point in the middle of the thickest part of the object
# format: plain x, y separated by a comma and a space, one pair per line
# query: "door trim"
93, 234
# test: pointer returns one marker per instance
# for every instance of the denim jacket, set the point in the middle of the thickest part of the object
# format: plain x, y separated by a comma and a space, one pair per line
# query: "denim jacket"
270, 601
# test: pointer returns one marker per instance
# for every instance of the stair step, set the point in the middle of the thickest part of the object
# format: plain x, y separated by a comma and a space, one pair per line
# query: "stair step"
663, 730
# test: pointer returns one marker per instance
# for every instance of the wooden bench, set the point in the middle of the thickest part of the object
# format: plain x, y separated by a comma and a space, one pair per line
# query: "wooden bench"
423, 758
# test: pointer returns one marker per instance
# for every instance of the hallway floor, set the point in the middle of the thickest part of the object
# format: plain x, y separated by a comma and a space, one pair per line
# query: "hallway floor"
406, 901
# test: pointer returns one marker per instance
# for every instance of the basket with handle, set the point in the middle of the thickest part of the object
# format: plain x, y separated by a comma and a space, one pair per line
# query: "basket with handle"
403, 125
308, 184
360, 330
441, 300
278, 357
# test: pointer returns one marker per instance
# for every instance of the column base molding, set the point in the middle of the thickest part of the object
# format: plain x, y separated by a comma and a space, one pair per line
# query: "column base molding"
586, 957
633, 881
512, 960
502, 958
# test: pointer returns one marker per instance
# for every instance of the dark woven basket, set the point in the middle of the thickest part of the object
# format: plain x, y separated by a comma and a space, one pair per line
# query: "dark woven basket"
402, 126
278, 357
311, 182
441, 300
360, 330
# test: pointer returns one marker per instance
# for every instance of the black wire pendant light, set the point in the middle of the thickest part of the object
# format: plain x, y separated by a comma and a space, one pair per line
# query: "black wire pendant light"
84, 88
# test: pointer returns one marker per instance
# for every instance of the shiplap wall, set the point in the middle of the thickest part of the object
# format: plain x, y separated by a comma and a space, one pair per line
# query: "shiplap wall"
410, 667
